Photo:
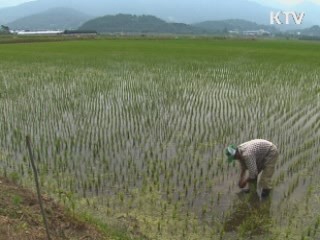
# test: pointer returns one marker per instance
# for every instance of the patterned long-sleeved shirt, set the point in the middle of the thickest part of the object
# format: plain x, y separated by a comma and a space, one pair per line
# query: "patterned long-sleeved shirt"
253, 153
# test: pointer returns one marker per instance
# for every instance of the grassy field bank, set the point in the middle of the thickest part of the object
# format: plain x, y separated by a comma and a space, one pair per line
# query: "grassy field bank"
133, 131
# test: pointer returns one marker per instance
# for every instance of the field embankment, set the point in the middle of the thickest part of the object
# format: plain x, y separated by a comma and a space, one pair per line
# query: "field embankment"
20, 217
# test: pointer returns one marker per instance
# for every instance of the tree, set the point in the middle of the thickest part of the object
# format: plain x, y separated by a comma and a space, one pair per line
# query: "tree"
4, 29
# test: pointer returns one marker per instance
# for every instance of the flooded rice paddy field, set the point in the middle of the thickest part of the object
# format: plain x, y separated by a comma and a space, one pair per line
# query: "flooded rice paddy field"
134, 131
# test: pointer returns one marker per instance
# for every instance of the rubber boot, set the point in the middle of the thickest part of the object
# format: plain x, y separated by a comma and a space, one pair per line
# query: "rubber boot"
265, 193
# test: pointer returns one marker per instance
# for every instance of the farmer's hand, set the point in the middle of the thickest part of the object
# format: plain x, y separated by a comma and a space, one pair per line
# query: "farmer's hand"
242, 183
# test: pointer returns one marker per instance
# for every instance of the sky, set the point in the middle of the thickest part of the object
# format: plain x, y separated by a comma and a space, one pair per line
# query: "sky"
8, 3
284, 3
272, 3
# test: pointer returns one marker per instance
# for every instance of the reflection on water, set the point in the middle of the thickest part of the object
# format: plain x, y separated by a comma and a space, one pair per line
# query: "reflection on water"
249, 216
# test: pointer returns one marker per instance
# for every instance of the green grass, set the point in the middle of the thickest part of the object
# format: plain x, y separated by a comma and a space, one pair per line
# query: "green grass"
133, 130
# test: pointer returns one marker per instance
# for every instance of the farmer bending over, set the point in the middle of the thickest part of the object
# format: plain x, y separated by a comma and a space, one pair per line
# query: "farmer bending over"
257, 156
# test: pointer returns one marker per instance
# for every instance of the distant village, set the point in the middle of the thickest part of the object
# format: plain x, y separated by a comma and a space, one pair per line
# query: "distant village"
260, 32
50, 32
252, 33
231, 33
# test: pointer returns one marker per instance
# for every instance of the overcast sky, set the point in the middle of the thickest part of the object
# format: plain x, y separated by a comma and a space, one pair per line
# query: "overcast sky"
273, 3
7, 3
284, 3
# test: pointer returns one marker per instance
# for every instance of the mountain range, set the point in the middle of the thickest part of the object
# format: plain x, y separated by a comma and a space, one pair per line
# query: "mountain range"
184, 11
52, 19
69, 19
138, 24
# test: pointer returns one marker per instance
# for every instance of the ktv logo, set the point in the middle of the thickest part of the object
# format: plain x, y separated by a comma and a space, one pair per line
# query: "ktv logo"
283, 17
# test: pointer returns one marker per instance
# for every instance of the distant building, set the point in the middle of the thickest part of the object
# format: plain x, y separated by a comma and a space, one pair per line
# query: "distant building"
260, 32
52, 33
80, 33
30, 33
234, 32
